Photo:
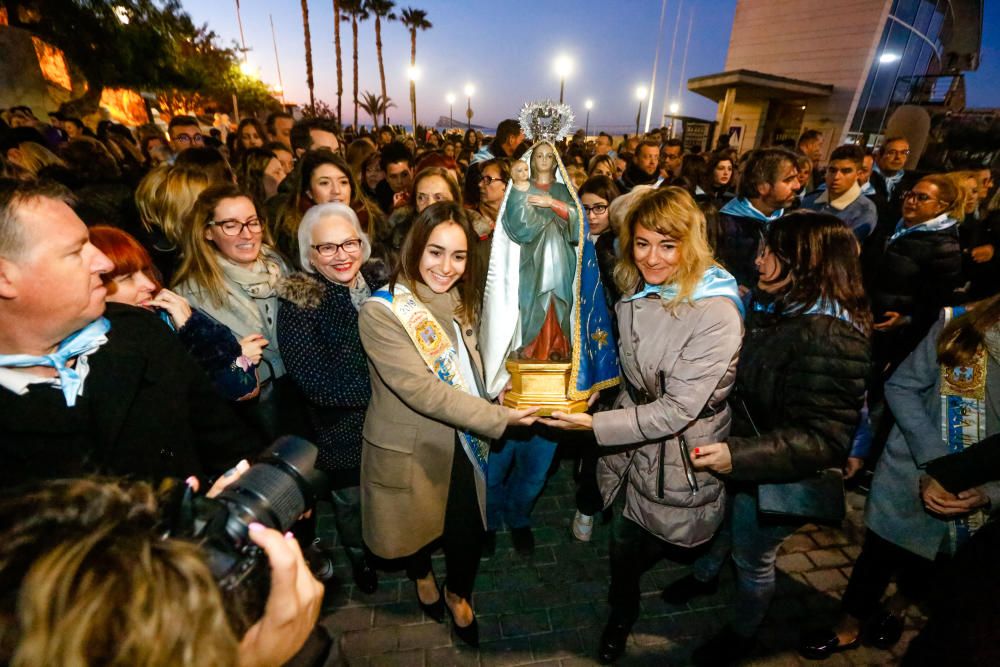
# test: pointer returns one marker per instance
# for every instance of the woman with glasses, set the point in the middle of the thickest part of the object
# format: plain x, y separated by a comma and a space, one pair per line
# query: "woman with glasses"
321, 348
321, 177
920, 271
229, 272
493, 178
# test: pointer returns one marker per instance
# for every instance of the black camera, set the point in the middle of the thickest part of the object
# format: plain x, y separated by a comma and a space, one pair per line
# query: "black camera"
282, 485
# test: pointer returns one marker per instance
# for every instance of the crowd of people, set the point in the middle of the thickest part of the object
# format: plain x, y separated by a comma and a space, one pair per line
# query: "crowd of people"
174, 299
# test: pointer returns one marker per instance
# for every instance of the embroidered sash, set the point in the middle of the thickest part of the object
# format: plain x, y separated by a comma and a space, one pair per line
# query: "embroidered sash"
435, 348
963, 422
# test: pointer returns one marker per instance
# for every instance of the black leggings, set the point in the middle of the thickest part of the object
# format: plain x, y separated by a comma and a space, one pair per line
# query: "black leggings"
878, 561
462, 540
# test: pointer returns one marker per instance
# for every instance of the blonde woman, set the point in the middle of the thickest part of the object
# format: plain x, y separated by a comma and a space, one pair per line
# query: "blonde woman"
230, 273
679, 335
33, 157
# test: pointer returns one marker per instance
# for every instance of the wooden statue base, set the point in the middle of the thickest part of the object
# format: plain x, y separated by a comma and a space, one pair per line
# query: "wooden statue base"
543, 384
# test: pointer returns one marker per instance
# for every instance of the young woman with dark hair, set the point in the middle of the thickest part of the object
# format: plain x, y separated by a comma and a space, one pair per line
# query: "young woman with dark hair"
259, 172
799, 391
320, 177
427, 430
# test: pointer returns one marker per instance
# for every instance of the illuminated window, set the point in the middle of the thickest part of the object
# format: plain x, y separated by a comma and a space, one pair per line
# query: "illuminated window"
53, 64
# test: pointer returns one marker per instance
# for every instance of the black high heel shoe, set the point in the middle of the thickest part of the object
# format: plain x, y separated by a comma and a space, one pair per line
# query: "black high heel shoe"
434, 610
470, 633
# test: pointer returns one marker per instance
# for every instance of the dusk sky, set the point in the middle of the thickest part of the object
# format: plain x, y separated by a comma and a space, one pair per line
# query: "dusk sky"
506, 50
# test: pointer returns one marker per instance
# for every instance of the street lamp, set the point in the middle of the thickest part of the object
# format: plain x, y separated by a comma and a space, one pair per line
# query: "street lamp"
589, 104
640, 94
248, 70
563, 66
469, 90
450, 97
674, 108
413, 72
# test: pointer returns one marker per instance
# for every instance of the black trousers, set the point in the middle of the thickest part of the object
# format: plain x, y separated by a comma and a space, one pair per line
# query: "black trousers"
462, 540
879, 560
633, 551
588, 494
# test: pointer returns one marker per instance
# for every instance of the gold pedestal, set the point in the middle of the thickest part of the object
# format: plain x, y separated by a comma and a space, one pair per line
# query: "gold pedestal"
541, 383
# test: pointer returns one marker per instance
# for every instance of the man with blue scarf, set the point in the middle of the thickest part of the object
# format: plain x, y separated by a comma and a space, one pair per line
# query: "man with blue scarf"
767, 188
83, 389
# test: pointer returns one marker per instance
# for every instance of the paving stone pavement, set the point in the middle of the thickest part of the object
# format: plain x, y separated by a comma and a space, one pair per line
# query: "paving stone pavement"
550, 609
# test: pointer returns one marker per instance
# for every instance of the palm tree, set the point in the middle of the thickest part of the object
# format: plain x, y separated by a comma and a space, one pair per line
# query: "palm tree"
414, 20
309, 55
340, 68
354, 11
375, 106
381, 9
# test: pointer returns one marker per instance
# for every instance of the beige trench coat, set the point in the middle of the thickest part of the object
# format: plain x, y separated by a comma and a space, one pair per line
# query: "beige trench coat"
409, 432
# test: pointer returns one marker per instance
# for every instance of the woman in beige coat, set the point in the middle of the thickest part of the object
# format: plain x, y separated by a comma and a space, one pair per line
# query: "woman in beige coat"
679, 334
427, 428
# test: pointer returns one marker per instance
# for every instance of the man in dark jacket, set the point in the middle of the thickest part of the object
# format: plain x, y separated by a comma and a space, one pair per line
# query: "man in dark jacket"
768, 187
644, 169
84, 390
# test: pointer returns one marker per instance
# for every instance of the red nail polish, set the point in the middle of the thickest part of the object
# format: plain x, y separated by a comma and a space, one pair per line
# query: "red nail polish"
697, 451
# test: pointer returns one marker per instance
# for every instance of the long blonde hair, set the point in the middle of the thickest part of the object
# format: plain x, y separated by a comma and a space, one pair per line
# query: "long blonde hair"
672, 212
91, 583
165, 197
35, 157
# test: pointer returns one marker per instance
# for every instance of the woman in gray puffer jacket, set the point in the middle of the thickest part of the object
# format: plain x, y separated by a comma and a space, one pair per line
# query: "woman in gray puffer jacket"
679, 333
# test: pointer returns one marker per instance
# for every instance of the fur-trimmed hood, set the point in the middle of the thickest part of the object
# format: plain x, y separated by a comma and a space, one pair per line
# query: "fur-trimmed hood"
306, 290
302, 289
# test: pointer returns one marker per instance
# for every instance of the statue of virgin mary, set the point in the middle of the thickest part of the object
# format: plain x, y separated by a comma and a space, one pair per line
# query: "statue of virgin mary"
543, 298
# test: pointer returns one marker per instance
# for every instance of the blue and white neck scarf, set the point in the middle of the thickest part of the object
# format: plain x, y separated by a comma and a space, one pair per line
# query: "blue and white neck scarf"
741, 207
943, 221
716, 281
890, 181
83, 342
828, 308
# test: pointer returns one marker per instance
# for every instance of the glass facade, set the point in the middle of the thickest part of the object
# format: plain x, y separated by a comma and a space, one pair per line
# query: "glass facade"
902, 57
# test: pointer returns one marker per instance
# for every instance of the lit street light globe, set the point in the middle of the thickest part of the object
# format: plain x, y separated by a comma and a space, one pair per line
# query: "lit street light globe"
450, 98
563, 66
640, 93
588, 105
247, 69
674, 107
469, 89
413, 72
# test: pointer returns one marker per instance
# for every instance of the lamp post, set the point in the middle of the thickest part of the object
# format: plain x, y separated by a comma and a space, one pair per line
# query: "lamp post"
674, 108
563, 66
589, 104
640, 94
414, 74
469, 90
450, 97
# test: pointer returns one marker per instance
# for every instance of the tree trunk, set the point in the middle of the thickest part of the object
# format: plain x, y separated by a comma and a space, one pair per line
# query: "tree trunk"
86, 104
309, 56
340, 68
381, 67
413, 86
354, 28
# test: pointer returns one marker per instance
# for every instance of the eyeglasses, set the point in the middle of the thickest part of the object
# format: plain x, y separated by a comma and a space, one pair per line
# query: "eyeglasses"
596, 209
896, 153
350, 246
921, 197
189, 139
489, 180
235, 227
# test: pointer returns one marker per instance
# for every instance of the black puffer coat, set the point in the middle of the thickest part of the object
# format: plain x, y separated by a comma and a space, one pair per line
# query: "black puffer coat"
736, 246
801, 380
917, 276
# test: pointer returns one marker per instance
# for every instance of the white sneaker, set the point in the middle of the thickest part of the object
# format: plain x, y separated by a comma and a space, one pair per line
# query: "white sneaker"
583, 526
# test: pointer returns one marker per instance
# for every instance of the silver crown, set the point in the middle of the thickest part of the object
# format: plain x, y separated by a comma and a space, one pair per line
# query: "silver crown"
546, 121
